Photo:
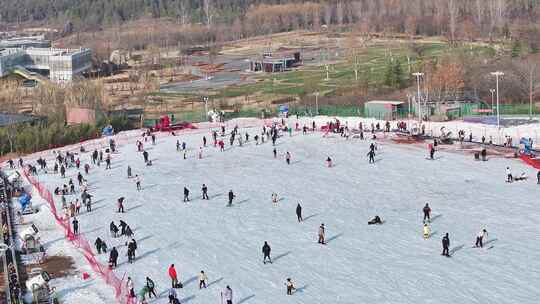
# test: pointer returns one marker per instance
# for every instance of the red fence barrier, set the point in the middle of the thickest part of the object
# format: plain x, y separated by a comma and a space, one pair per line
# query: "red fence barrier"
78, 240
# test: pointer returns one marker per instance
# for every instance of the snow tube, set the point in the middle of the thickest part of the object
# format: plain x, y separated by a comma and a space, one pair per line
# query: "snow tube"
24, 200
531, 161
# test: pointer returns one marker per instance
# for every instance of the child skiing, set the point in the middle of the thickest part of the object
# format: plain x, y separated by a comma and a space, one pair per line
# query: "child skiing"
290, 286
321, 235
231, 197
427, 231
274, 198
204, 192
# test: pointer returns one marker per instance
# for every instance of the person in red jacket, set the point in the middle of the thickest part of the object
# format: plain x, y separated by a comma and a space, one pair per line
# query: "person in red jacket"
174, 277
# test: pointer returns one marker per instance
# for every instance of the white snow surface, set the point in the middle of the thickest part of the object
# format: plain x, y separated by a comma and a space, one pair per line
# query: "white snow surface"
389, 263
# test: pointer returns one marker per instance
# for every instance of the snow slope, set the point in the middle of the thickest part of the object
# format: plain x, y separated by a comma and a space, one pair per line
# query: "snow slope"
391, 263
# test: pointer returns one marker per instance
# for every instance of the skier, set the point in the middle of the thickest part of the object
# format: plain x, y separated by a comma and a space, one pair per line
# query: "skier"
173, 276
113, 229
200, 152
202, 279
427, 231
446, 245
129, 171
98, 243
75, 226
113, 258
151, 286
275, 153
123, 226
63, 171
290, 286
172, 295
108, 162
480, 238
86, 168
509, 177
299, 212
145, 155
288, 158
77, 206
274, 198
266, 253
371, 155
538, 177
321, 234
329, 162
186, 194
177, 145
80, 178
132, 246
142, 295
121, 205
204, 192
427, 213
228, 295
131, 289
138, 182
431, 151
231, 197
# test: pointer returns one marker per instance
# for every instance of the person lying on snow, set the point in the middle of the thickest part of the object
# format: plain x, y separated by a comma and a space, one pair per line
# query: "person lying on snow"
523, 176
375, 220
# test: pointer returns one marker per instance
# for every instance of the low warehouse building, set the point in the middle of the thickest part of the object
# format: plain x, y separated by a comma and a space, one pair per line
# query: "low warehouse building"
384, 109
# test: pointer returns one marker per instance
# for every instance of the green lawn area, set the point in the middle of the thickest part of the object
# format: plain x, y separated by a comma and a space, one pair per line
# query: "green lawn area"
372, 64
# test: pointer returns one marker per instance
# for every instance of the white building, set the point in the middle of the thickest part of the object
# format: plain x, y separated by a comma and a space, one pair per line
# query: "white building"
60, 65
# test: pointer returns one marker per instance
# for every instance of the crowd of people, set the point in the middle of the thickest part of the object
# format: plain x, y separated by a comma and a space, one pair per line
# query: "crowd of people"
65, 162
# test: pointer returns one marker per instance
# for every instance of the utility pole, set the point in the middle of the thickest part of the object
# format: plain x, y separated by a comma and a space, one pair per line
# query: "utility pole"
497, 74
418, 75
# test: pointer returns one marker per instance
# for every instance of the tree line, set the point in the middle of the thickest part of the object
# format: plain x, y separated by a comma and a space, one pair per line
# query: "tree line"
456, 19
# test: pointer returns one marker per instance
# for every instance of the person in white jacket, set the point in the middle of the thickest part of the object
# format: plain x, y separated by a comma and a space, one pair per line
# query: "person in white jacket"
427, 231
480, 238
509, 177
129, 285
228, 295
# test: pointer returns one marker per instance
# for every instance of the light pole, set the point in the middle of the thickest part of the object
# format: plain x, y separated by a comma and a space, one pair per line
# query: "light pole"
497, 74
317, 103
418, 75
492, 98
205, 98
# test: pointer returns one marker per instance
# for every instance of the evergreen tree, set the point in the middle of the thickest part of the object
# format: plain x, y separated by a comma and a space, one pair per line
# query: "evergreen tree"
516, 49
397, 72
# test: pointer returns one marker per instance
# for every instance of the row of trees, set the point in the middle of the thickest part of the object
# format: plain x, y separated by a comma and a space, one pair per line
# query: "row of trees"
453, 18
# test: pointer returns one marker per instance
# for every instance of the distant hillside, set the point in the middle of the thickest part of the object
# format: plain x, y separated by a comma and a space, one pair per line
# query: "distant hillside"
426, 17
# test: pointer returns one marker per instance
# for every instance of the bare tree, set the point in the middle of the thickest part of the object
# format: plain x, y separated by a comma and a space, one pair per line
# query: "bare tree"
208, 12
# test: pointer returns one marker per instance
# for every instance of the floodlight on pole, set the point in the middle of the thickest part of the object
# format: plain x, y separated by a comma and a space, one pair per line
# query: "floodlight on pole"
418, 75
497, 74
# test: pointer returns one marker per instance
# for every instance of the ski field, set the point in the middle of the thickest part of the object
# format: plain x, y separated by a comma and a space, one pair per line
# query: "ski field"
389, 263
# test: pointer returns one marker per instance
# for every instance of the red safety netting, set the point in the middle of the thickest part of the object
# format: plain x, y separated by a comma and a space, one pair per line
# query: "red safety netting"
121, 139
79, 241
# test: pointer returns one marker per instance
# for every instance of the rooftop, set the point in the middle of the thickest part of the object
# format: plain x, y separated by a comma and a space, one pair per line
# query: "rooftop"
391, 102
7, 119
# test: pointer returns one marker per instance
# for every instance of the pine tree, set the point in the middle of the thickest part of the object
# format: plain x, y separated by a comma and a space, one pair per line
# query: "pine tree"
389, 79
516, 49
398, 74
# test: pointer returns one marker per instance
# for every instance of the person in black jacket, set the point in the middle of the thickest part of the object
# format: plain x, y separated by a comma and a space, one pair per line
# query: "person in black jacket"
371, 155
113, 229
204, 192
132, 246
186, 194
145, 155
151, 286
266, 253
75, 226
299, 212
98, 244
538, 177
427, 213
446, 245
113, 258
231, 197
